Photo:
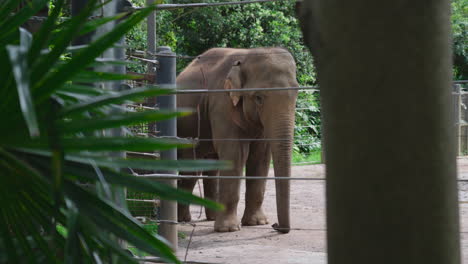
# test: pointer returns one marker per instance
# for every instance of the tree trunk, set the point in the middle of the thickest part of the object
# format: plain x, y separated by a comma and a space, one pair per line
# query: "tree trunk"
384, 70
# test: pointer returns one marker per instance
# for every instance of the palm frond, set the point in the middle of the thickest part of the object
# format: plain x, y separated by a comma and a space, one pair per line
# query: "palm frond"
54, 147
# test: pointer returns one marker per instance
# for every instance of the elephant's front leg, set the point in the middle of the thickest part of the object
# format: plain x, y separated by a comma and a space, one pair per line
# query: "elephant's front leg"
229, 189
258, 164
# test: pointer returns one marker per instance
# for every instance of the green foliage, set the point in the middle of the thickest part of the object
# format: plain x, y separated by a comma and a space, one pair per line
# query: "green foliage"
460, 38
192, 31
151, 228
308, 123
54, 145
314, 157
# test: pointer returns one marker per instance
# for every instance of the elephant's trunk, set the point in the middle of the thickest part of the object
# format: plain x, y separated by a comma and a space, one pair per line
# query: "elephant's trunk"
282, 128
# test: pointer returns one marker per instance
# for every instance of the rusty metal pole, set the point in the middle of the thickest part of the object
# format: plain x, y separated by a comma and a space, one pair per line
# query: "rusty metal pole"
166, 77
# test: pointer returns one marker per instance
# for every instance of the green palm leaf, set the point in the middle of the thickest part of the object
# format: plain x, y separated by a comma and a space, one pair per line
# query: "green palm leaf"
116, 120
55, 144
18, 58
114, 98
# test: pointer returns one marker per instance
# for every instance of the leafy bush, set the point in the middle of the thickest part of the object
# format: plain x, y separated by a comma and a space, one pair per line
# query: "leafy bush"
53, 145
460, 38
192, 31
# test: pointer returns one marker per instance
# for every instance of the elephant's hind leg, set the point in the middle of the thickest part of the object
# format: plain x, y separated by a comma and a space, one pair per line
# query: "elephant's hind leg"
183, 210
258, 164
210, 190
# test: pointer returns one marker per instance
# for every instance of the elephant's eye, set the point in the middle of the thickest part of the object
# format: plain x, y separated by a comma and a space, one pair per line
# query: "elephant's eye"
259, 99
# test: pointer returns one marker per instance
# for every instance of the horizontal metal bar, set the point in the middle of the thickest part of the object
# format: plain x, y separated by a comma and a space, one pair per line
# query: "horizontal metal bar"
142, 107
313, 109
306, 162
156, 108
60, 19
176, 56
197, 224
140, 53
304, 126
240, 139
143, 201
148, 134
160, 260
153, 155
248, 139
195, 91
194, 140
173, 176
246, 89
193, 5
201, 57
145, 60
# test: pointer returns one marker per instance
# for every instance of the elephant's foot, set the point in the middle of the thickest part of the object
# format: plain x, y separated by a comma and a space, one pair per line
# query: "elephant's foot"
210, 214
183, 213
257, 218
226, 223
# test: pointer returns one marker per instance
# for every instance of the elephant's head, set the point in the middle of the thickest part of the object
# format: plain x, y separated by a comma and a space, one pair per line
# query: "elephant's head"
271, 113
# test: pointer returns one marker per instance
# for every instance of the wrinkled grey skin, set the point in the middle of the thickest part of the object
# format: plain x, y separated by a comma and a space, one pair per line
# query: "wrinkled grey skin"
240, 115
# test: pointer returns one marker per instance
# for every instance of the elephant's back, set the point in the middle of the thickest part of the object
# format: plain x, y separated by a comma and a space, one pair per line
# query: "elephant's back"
206, 72
209, 69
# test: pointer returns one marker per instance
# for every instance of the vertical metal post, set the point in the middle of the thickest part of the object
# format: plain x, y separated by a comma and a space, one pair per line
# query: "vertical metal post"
166, 77
151, 70
108, 10
120, 193
76, 7
457, 115
322, 143
151, 36
117, 193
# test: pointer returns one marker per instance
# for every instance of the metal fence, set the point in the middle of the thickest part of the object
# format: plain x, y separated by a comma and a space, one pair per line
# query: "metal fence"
149, 214
460, 116
146, 207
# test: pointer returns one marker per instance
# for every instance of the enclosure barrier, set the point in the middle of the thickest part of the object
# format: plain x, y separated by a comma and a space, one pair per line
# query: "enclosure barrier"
460, 116
166, 72
153, 59
162, 176
312, 89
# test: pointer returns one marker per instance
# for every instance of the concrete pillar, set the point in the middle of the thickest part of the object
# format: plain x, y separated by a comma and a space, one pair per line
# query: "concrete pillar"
384, 70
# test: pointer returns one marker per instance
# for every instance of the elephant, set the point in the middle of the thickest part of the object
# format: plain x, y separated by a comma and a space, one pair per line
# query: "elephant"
232, 124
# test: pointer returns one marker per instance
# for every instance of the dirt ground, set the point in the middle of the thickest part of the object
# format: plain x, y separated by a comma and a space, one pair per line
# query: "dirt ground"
304, 244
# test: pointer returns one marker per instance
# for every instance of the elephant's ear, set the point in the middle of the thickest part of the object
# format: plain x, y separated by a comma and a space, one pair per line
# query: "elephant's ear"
233, 81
